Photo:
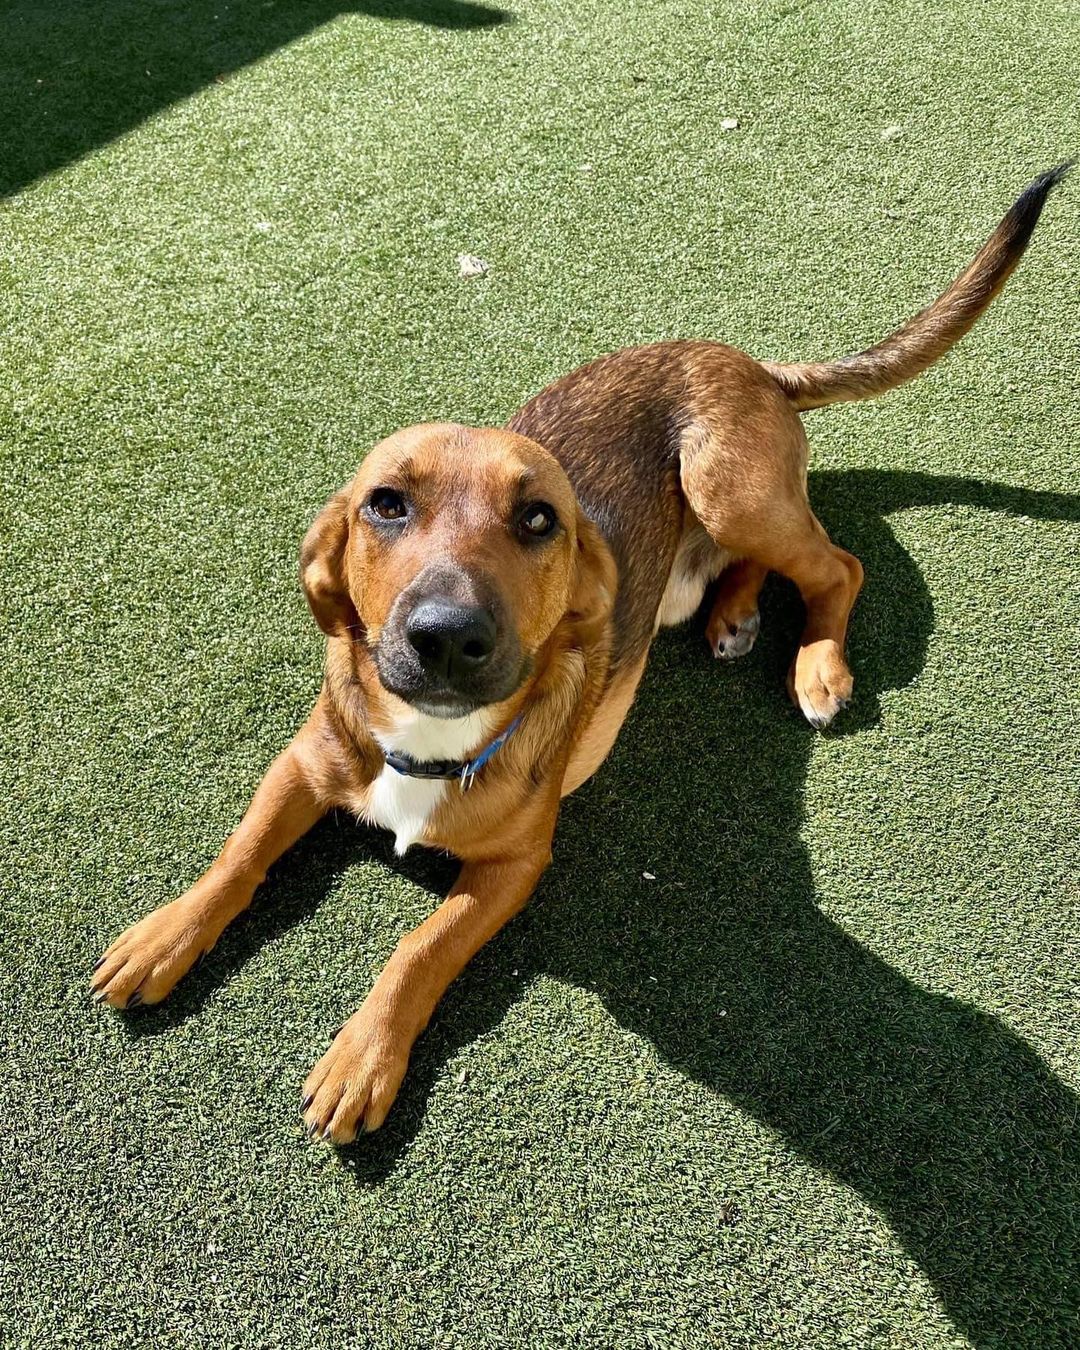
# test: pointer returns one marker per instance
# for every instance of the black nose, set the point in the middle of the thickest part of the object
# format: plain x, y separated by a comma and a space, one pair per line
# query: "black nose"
450, 640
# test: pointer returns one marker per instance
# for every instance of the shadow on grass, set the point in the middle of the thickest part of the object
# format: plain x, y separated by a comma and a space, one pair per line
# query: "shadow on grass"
944, 1120
74, 74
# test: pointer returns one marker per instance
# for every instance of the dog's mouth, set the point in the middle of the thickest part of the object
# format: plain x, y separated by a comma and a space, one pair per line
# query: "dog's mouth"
447, 705
403, 677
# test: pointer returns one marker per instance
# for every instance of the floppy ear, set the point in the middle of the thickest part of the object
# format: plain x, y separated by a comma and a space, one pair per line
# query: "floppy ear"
592, 595
322, 568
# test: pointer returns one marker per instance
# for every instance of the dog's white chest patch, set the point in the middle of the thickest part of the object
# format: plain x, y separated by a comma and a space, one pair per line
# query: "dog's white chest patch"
402, 804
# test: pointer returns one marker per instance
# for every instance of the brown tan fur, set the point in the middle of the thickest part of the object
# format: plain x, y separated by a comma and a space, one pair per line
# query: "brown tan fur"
667, 466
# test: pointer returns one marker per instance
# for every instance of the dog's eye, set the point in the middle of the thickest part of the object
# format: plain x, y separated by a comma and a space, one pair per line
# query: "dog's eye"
537, 520
387, 504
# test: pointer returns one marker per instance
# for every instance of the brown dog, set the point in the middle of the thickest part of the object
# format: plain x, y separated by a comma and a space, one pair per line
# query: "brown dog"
490, 598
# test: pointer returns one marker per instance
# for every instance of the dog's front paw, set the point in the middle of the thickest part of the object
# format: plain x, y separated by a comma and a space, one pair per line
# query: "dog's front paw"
354, 1085
146, 961
820, 682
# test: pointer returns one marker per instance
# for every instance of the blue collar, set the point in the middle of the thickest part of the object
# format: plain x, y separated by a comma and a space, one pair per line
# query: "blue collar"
466, 770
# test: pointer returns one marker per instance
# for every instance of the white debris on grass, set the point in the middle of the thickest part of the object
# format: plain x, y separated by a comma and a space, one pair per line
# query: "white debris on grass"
469, 265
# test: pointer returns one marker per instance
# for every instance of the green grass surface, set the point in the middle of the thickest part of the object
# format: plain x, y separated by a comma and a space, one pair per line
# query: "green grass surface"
814, 1085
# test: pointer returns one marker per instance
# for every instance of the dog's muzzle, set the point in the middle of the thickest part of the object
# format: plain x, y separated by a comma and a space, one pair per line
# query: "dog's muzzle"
446, 648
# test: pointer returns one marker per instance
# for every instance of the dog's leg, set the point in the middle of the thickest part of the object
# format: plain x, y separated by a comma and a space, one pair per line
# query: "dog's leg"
354, 1084
734, 619
147, 960
829, 581
791, 541
794, 544
743, 471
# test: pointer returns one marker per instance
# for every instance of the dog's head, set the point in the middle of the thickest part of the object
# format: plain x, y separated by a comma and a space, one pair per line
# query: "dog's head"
454, 554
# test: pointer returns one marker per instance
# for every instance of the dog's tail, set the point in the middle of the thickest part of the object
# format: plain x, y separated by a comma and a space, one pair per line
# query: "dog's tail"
929, 335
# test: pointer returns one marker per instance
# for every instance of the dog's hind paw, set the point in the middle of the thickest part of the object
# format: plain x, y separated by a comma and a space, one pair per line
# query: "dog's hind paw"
820, 683
729, 642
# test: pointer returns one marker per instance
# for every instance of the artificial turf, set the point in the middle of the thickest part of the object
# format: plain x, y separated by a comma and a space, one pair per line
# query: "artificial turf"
813, 1082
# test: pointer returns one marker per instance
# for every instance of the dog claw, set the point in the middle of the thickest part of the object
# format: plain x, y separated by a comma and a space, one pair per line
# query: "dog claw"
99, 963
306, 1102
135, 999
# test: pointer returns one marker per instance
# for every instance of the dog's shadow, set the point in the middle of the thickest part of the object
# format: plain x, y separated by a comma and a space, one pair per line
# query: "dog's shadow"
78, 75
943, 1120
